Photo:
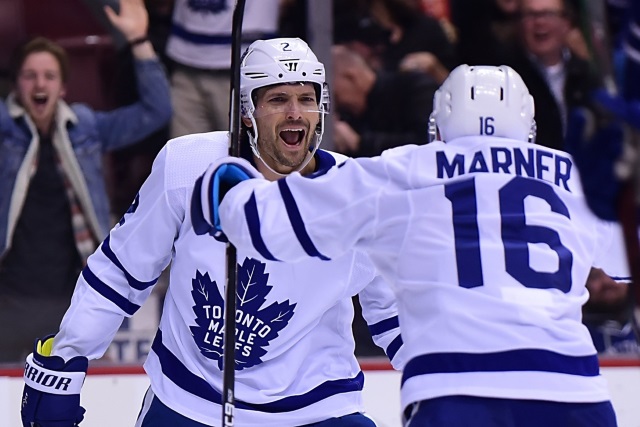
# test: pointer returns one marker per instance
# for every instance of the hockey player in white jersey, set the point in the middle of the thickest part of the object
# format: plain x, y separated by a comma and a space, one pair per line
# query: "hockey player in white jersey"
487, 241
295, 362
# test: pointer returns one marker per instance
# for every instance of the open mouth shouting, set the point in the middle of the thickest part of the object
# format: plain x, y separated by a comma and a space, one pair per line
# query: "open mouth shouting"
39, 101
293, 137
541, 36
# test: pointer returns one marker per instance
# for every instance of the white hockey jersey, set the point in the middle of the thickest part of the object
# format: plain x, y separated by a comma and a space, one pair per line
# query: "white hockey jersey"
487, 242
295, 360
201, 30
613, 259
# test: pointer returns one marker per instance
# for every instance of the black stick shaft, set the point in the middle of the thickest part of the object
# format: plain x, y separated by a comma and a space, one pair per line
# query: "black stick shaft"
229, 359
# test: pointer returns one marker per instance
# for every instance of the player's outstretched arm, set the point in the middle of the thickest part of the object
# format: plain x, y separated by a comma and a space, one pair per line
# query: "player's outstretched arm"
298, 217
51, 396
380, 311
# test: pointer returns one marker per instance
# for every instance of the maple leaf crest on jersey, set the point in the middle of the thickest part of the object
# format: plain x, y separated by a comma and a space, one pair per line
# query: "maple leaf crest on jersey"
255, 326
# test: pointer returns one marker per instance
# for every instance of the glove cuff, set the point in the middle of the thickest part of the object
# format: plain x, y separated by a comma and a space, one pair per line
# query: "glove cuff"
46, 380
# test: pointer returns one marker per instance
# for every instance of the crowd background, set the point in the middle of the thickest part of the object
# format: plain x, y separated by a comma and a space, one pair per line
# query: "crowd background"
386, 60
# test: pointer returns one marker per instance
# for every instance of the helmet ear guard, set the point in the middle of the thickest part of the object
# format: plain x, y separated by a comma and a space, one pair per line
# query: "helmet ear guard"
432, 129
483, 100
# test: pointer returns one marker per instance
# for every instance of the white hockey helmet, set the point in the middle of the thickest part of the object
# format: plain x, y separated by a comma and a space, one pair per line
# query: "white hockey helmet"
279, 61
482, 100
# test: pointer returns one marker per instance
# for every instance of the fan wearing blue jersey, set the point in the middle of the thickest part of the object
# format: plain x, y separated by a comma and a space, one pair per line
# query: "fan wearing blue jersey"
487, 241
607, 147
294, 358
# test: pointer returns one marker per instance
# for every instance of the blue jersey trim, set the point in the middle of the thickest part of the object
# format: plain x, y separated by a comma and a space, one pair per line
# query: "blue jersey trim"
535, 360
394, 346
226, 39
133, 282
297, 223
253, 224
175, 370
621, 278
108, 292
324, 162
198, 221
384, 326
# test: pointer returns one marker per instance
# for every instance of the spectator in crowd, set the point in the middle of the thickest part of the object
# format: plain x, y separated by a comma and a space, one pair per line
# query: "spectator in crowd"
131, 165
394, 35
485, 29
607, 152
200, 47
54, 207
377, 110
416, 42
440, 10
354, 28
128, 167
557, 79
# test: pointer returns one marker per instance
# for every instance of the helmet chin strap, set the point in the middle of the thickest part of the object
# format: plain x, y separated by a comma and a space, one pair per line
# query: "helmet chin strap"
307, 159
253, 143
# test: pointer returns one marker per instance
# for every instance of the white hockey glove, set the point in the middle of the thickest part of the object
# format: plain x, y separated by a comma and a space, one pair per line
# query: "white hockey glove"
209, 190
51, 396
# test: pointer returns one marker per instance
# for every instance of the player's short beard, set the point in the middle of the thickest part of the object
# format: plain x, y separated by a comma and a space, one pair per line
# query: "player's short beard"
270, 150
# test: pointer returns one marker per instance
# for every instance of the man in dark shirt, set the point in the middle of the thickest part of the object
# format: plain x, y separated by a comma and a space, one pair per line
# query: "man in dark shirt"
44, 246
43, 255
54, 208
557, 79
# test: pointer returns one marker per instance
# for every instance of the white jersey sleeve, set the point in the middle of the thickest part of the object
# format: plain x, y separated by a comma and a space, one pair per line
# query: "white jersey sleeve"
612, 255
378, 302
120, 275
379, 308
347, 214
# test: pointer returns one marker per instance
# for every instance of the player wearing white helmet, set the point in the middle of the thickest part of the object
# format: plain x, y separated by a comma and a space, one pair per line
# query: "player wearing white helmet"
487, 241
483, 101
276, 62
295, 362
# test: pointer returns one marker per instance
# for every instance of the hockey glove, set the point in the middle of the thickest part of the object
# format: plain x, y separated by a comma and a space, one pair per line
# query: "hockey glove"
209, 190
603, 143
51, 396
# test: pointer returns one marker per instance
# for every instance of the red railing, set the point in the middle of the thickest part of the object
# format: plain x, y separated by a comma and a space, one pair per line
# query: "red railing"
367, 364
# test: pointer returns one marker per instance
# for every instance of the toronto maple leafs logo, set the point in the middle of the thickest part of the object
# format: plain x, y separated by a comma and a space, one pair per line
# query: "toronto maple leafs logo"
210, 6
255, 326
132, 208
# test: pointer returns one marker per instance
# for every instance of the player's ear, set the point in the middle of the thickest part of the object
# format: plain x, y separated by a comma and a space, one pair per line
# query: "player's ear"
247, 122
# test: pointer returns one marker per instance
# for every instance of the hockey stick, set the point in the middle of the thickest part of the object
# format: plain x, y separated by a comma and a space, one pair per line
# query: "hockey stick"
600, 43
229, 345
